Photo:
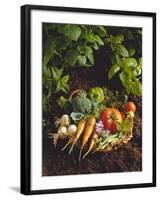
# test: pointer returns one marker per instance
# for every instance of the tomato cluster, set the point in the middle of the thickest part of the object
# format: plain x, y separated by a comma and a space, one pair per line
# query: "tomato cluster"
111, 116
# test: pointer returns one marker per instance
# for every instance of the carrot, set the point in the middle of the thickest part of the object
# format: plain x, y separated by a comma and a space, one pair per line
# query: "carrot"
92, 143
87, 132
80, 129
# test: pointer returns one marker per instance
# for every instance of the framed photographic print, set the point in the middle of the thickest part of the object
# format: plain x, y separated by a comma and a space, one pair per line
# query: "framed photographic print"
88, 99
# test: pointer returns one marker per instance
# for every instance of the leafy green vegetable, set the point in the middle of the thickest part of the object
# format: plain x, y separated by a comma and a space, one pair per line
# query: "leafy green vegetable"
81, 104
96, 93
76, 116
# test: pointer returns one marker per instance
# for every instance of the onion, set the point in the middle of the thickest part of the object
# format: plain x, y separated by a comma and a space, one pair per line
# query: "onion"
72, 129
65, 120
62, 130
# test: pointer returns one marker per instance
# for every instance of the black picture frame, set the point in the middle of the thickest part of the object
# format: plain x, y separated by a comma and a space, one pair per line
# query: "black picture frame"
26, 98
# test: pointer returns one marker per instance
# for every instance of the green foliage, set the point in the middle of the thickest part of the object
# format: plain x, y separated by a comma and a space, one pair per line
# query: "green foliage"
71, 45
128, 69
71, 57
125, 126
60, 81
49, 51
72, 31
114, 99
113, 70
96, 109
62, 101
62, 84
53, 82
121, 50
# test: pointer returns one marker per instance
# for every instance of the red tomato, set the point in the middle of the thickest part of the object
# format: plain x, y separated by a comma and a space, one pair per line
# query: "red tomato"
122, 115
130, 106
109, 117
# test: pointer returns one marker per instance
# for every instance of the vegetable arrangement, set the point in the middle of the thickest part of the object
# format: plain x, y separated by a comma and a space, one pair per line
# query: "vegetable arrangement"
104, 133
99, 118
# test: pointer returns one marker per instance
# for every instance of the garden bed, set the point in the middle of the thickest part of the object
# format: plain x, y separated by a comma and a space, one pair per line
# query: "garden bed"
127, 157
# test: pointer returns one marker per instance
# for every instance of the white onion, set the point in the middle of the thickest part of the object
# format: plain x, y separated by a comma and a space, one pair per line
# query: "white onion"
72, 129
65, 120
62, 130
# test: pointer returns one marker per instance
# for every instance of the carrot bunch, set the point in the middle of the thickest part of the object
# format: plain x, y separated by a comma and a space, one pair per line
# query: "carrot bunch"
85, 127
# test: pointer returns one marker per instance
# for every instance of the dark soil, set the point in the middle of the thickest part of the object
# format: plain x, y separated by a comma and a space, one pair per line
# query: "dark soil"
127, 158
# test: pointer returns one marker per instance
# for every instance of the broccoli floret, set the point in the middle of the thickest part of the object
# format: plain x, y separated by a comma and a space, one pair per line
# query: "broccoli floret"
81, 103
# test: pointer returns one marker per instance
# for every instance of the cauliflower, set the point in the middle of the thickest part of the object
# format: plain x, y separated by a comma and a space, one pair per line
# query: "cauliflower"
81, 103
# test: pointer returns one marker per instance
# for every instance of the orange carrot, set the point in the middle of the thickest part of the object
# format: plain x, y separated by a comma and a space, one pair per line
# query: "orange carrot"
80, 129
87, 132
92, 143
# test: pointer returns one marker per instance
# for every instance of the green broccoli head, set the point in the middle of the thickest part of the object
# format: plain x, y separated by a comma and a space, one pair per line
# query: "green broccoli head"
81, 103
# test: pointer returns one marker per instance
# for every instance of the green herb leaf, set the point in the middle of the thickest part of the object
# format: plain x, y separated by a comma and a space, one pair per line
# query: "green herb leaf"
115, 59
130, 62
101, 31
71, 57
46, 72
131, 86
122, 50
118, 39
63, 84
98, 40
49, 52
113, 71
88, 52
132, 52
73, 32
91, 37
62, 101
136, 88
81, 60
56, 73
140, 61
95, 46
